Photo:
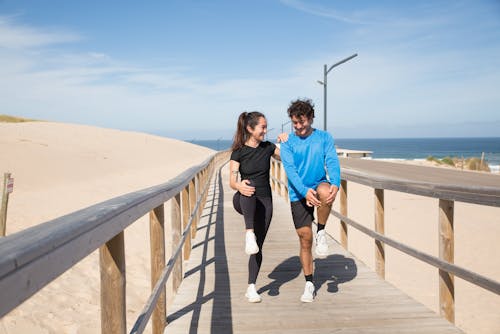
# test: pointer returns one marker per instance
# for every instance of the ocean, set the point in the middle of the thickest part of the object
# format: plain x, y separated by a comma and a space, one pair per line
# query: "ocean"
408, 148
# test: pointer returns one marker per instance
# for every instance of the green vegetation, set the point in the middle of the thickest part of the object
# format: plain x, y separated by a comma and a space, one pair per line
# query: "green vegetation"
433, 159
14, 119
448, 161
472, 163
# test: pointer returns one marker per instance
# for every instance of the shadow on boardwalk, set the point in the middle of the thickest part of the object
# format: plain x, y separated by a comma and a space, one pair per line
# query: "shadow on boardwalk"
332, 270
221, 296
351, 298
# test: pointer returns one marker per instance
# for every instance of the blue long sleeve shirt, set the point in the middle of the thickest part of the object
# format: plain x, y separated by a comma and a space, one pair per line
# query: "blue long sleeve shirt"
309, 161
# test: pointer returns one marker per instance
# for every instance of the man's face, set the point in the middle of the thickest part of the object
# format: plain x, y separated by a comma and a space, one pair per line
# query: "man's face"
302, 125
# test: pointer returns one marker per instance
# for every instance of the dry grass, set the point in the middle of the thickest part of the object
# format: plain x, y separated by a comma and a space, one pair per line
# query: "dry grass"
476, 164
472, 163
14, 119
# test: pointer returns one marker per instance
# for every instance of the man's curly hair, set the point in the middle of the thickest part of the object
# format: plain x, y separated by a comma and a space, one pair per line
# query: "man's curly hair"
299, 108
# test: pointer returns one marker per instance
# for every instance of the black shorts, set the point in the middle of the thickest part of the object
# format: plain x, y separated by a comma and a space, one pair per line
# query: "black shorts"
302, 214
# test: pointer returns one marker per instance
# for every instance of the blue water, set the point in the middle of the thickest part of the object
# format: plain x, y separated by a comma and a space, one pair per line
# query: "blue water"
408, 148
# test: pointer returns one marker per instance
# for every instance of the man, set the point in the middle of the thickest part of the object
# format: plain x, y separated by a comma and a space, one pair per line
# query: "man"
313, 172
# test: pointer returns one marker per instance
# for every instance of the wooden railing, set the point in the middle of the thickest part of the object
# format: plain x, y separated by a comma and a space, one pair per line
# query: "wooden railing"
447, 194
32, 258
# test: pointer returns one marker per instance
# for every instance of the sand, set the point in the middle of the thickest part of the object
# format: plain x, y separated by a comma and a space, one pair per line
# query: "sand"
413, 220
60, 168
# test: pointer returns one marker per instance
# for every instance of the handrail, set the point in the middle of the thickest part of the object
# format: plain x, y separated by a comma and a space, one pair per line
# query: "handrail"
458, 271
146, 312
483, 195
447, 194
32, 258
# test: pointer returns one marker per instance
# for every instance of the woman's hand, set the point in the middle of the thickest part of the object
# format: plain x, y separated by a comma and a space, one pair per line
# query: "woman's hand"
245, 188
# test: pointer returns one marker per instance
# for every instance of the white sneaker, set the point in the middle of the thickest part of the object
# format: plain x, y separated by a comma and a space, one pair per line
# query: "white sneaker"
321, 244
308, 295
251, 246
252, 295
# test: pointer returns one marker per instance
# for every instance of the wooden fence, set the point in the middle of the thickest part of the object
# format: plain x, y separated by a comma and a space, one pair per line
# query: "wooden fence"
446, 193
32, 258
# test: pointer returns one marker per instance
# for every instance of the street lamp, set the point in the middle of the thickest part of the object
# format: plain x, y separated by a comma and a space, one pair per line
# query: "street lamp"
282, 125
268, 131
324, 83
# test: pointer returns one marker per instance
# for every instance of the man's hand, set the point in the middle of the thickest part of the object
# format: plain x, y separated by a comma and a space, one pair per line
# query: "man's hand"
333, 193
312, 198
282, 137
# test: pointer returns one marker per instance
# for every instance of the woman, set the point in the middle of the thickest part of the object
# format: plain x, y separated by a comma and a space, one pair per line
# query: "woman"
251, 157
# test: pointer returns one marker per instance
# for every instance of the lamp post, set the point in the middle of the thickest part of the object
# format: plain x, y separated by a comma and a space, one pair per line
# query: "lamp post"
283, 124
268, 131
324, 82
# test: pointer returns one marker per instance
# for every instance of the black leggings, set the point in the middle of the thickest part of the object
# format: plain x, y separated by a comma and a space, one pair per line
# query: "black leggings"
257, 212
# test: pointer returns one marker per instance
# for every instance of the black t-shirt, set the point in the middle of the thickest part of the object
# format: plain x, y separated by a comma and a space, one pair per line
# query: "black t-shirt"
255, 165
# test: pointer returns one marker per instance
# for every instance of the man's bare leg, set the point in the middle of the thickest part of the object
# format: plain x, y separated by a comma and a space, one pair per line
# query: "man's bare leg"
305, 237
306, 240
324, 210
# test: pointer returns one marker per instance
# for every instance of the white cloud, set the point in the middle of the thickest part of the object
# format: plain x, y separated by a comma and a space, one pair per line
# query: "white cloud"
402, 86
15, 36
322, 11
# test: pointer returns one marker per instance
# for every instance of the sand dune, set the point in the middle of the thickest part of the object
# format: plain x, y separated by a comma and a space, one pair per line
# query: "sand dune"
59, 168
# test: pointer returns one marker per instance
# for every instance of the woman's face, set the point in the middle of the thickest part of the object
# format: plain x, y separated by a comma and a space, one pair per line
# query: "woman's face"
259, 132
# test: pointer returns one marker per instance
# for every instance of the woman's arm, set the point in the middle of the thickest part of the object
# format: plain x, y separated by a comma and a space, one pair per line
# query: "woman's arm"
276, 153
243, 186
234, 167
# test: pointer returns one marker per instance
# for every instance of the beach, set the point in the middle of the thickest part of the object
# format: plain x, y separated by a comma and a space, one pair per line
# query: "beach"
60, 168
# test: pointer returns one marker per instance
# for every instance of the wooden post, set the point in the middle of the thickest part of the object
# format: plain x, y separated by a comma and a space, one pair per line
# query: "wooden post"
379, 227
283, 179
199, 182
157, 241
5, 203
204, 185
192, 204
446, 253
343, 211
185, 220
175, 240
112, 264
278, 177
273, 174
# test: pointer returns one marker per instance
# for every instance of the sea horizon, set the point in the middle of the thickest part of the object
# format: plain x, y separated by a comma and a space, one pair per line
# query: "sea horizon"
407, 148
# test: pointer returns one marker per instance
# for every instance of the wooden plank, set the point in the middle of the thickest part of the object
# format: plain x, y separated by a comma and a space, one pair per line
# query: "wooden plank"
157, 237
446, 253
175, 237
112, 264
379, 228
351, 298
343, 211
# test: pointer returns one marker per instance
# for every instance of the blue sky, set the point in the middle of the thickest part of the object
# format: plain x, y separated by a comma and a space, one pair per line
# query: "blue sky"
187, 69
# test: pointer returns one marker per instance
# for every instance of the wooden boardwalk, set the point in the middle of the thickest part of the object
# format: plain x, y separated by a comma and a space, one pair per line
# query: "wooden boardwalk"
350, 296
